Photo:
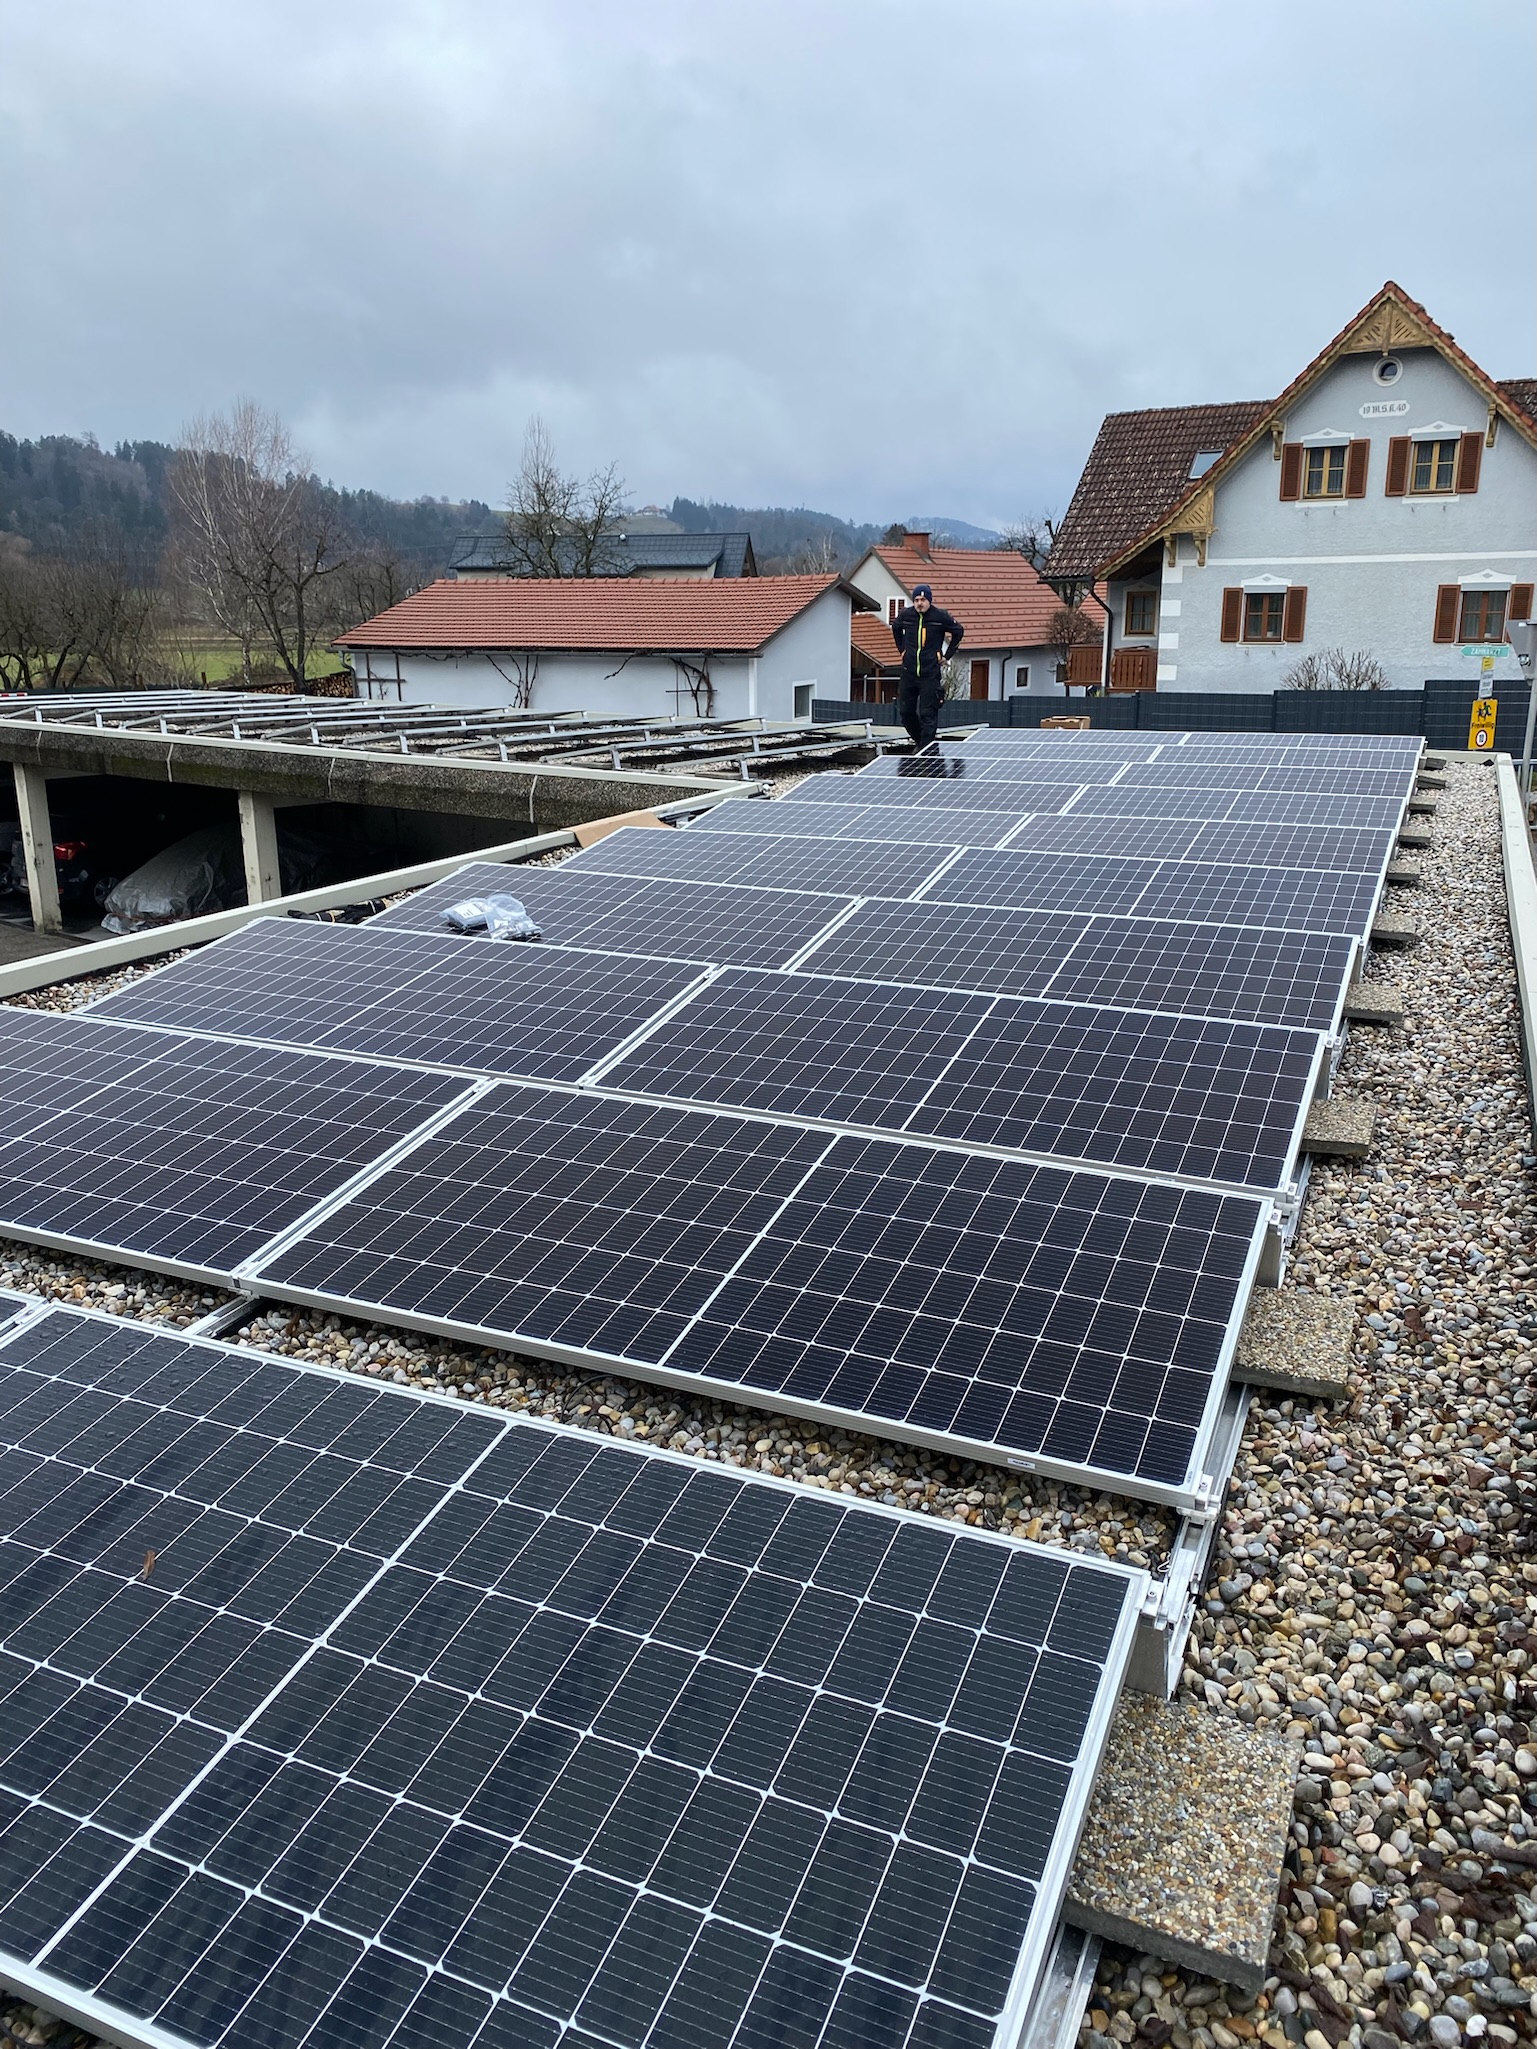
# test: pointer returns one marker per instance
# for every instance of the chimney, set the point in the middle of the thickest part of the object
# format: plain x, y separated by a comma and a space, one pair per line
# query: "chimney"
919, 543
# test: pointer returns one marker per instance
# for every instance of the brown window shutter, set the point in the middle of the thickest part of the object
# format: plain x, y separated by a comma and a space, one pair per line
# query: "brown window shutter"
1398, 466
1448, 596
1232, 615
1520, 606
1294, 616
1291, 470
1356, 463
1469, 457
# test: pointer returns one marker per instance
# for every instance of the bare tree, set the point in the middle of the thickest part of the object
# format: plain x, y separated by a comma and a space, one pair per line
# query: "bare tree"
80, 614
1034, 537
559, 525
254, 536
956, 676
1333, 669
1069, 627
817, 557
367, 584
520, 675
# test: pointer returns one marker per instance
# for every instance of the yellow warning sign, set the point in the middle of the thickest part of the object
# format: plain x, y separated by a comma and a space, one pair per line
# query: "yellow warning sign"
1481, 725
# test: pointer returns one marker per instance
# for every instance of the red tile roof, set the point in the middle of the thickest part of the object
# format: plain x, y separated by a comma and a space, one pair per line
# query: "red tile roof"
994, 592
734, 615
1522, 392
871, 636
1137, 471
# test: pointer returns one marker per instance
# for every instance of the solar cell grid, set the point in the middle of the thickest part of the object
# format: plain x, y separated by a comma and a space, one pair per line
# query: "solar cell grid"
591, 1737
1206, 892
1309, 779
1182, 1097
195, 1155
1251, 807
1269, 977
996, 768
935, 826
780, 860
632, 914
546, 1012
952, 792
687, 1244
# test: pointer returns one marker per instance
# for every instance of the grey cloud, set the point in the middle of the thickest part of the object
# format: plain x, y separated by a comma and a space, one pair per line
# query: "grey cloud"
867, 255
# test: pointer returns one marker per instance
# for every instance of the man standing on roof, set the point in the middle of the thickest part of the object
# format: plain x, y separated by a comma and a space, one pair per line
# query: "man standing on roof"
926, 636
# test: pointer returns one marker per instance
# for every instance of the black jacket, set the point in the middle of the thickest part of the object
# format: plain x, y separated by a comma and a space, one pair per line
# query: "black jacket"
933, 625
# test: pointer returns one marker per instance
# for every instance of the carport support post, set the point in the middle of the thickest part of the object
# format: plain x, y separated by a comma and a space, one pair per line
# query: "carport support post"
259, 845
37, 847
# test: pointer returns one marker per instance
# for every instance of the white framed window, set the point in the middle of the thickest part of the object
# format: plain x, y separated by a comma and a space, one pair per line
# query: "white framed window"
1022, 676
801, 695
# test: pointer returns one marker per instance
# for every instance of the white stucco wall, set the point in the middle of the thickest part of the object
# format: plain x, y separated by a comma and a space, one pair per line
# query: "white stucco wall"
812, 649
1371, 565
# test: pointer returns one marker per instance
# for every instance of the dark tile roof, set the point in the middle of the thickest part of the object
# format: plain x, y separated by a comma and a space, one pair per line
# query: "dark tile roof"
1522, 392
624, 555
1138, 470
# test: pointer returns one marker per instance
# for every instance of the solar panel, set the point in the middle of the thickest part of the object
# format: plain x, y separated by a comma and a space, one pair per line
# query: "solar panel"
1134, 838
998, 768
985, 1306
697, 921
955, 793
935, 827
795, 1046
1364, 851
783, 861
342, 1716
1270, 977
1293, 978
1310, 778
1207, 892
193, 1156
1177, 1096
546, 1012
1250, 807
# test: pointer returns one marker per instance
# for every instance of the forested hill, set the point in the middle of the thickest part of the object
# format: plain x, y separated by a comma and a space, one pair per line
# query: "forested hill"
778, 532
55, 490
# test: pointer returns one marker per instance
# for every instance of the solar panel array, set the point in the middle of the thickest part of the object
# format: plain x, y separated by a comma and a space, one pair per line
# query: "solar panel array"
974, 1147
345, 1717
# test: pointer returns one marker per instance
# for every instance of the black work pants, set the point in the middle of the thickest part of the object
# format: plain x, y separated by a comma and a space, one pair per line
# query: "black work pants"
918, 703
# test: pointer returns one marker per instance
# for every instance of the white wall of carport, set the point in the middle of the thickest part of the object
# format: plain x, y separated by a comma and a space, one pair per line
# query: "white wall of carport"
813, 648
1371, 565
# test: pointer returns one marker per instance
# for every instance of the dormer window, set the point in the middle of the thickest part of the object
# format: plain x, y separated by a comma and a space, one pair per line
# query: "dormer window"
1204, 459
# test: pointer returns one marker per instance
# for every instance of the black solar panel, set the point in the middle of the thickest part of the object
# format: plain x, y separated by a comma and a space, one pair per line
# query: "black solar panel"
794, 1046
342, 1718
1185, 1096
1133, 838
1250, 807
940, 829
783, 861
1363, 851
697, 921
1210, 893
1293, 978
1270, 977
1311, 777
938, 946
1041, 767
546, 1012
1179, 1096
998, 1309
971, 793
194, 1156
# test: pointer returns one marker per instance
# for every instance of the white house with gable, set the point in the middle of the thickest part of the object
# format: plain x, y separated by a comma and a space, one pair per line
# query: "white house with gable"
1385, 503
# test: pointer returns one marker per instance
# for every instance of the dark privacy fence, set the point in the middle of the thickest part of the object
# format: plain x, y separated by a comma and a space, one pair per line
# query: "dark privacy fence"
1440, 711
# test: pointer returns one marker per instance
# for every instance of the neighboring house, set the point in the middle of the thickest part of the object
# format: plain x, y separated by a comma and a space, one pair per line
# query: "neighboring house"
1385, 502
1000, 600
742, 647
680, 557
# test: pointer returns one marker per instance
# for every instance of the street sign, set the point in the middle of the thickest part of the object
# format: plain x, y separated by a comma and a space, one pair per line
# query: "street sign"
1486, 651
1481, 725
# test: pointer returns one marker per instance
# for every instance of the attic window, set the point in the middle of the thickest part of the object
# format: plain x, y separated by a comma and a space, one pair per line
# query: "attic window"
1204, 459
1388, 371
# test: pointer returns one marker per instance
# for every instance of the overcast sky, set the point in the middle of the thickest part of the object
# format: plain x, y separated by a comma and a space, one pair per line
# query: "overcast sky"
866, 255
